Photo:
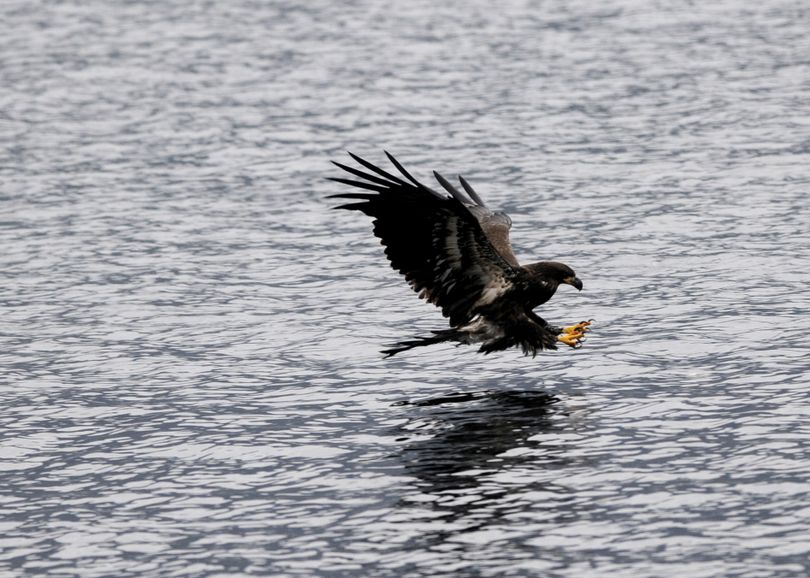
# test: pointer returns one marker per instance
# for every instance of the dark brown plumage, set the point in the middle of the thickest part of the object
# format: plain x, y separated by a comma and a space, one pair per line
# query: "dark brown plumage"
456, 254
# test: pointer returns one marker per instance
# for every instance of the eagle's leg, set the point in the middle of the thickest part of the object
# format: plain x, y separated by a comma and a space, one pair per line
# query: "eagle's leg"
573, 335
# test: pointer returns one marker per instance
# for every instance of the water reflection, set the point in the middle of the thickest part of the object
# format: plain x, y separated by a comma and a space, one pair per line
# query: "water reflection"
476, 457
461, 436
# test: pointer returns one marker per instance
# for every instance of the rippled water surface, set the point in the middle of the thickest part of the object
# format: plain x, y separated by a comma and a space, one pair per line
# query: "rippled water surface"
189, 372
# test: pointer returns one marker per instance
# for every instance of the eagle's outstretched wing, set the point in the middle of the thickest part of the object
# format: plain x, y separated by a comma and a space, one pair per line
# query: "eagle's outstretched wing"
437, 242
496, 224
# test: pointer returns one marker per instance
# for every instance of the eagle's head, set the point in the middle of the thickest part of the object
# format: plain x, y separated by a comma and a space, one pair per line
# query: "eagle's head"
558, 272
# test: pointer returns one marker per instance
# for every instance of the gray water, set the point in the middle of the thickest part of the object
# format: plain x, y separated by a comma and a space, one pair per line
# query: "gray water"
190, 382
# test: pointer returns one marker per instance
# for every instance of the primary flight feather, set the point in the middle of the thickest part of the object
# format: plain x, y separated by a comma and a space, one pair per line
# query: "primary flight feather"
455, 253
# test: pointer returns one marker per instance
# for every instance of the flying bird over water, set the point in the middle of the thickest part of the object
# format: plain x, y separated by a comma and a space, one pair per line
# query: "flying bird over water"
455, 253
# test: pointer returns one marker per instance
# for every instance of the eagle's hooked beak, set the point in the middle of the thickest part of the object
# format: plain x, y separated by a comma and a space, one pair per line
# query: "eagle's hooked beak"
575, 282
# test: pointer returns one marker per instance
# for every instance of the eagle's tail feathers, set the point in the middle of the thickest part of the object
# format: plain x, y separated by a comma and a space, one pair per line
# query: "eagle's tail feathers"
437, 337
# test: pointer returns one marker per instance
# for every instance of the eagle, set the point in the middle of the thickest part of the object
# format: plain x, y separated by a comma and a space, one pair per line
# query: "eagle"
455, 253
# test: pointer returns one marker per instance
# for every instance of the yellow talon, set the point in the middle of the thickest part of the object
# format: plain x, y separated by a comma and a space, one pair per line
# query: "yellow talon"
571, 339
573, 335
581, 327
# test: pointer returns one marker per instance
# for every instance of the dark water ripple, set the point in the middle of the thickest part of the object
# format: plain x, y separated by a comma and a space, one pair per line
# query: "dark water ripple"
189, 374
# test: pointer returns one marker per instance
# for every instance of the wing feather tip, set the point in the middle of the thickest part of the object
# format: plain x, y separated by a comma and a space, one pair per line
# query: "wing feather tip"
471, 192
352, 206
374, 168
448, 186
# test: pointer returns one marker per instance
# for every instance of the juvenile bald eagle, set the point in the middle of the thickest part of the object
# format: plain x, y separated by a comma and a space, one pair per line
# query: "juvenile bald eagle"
455, 253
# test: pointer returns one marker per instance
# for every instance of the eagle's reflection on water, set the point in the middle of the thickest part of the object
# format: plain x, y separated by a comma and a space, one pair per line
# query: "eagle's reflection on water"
475, 457
471, 432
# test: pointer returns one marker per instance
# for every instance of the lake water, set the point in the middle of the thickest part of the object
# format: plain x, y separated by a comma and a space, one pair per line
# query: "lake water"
190, 383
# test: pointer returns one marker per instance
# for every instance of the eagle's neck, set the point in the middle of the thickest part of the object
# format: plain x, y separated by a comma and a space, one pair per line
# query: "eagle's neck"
539, 286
